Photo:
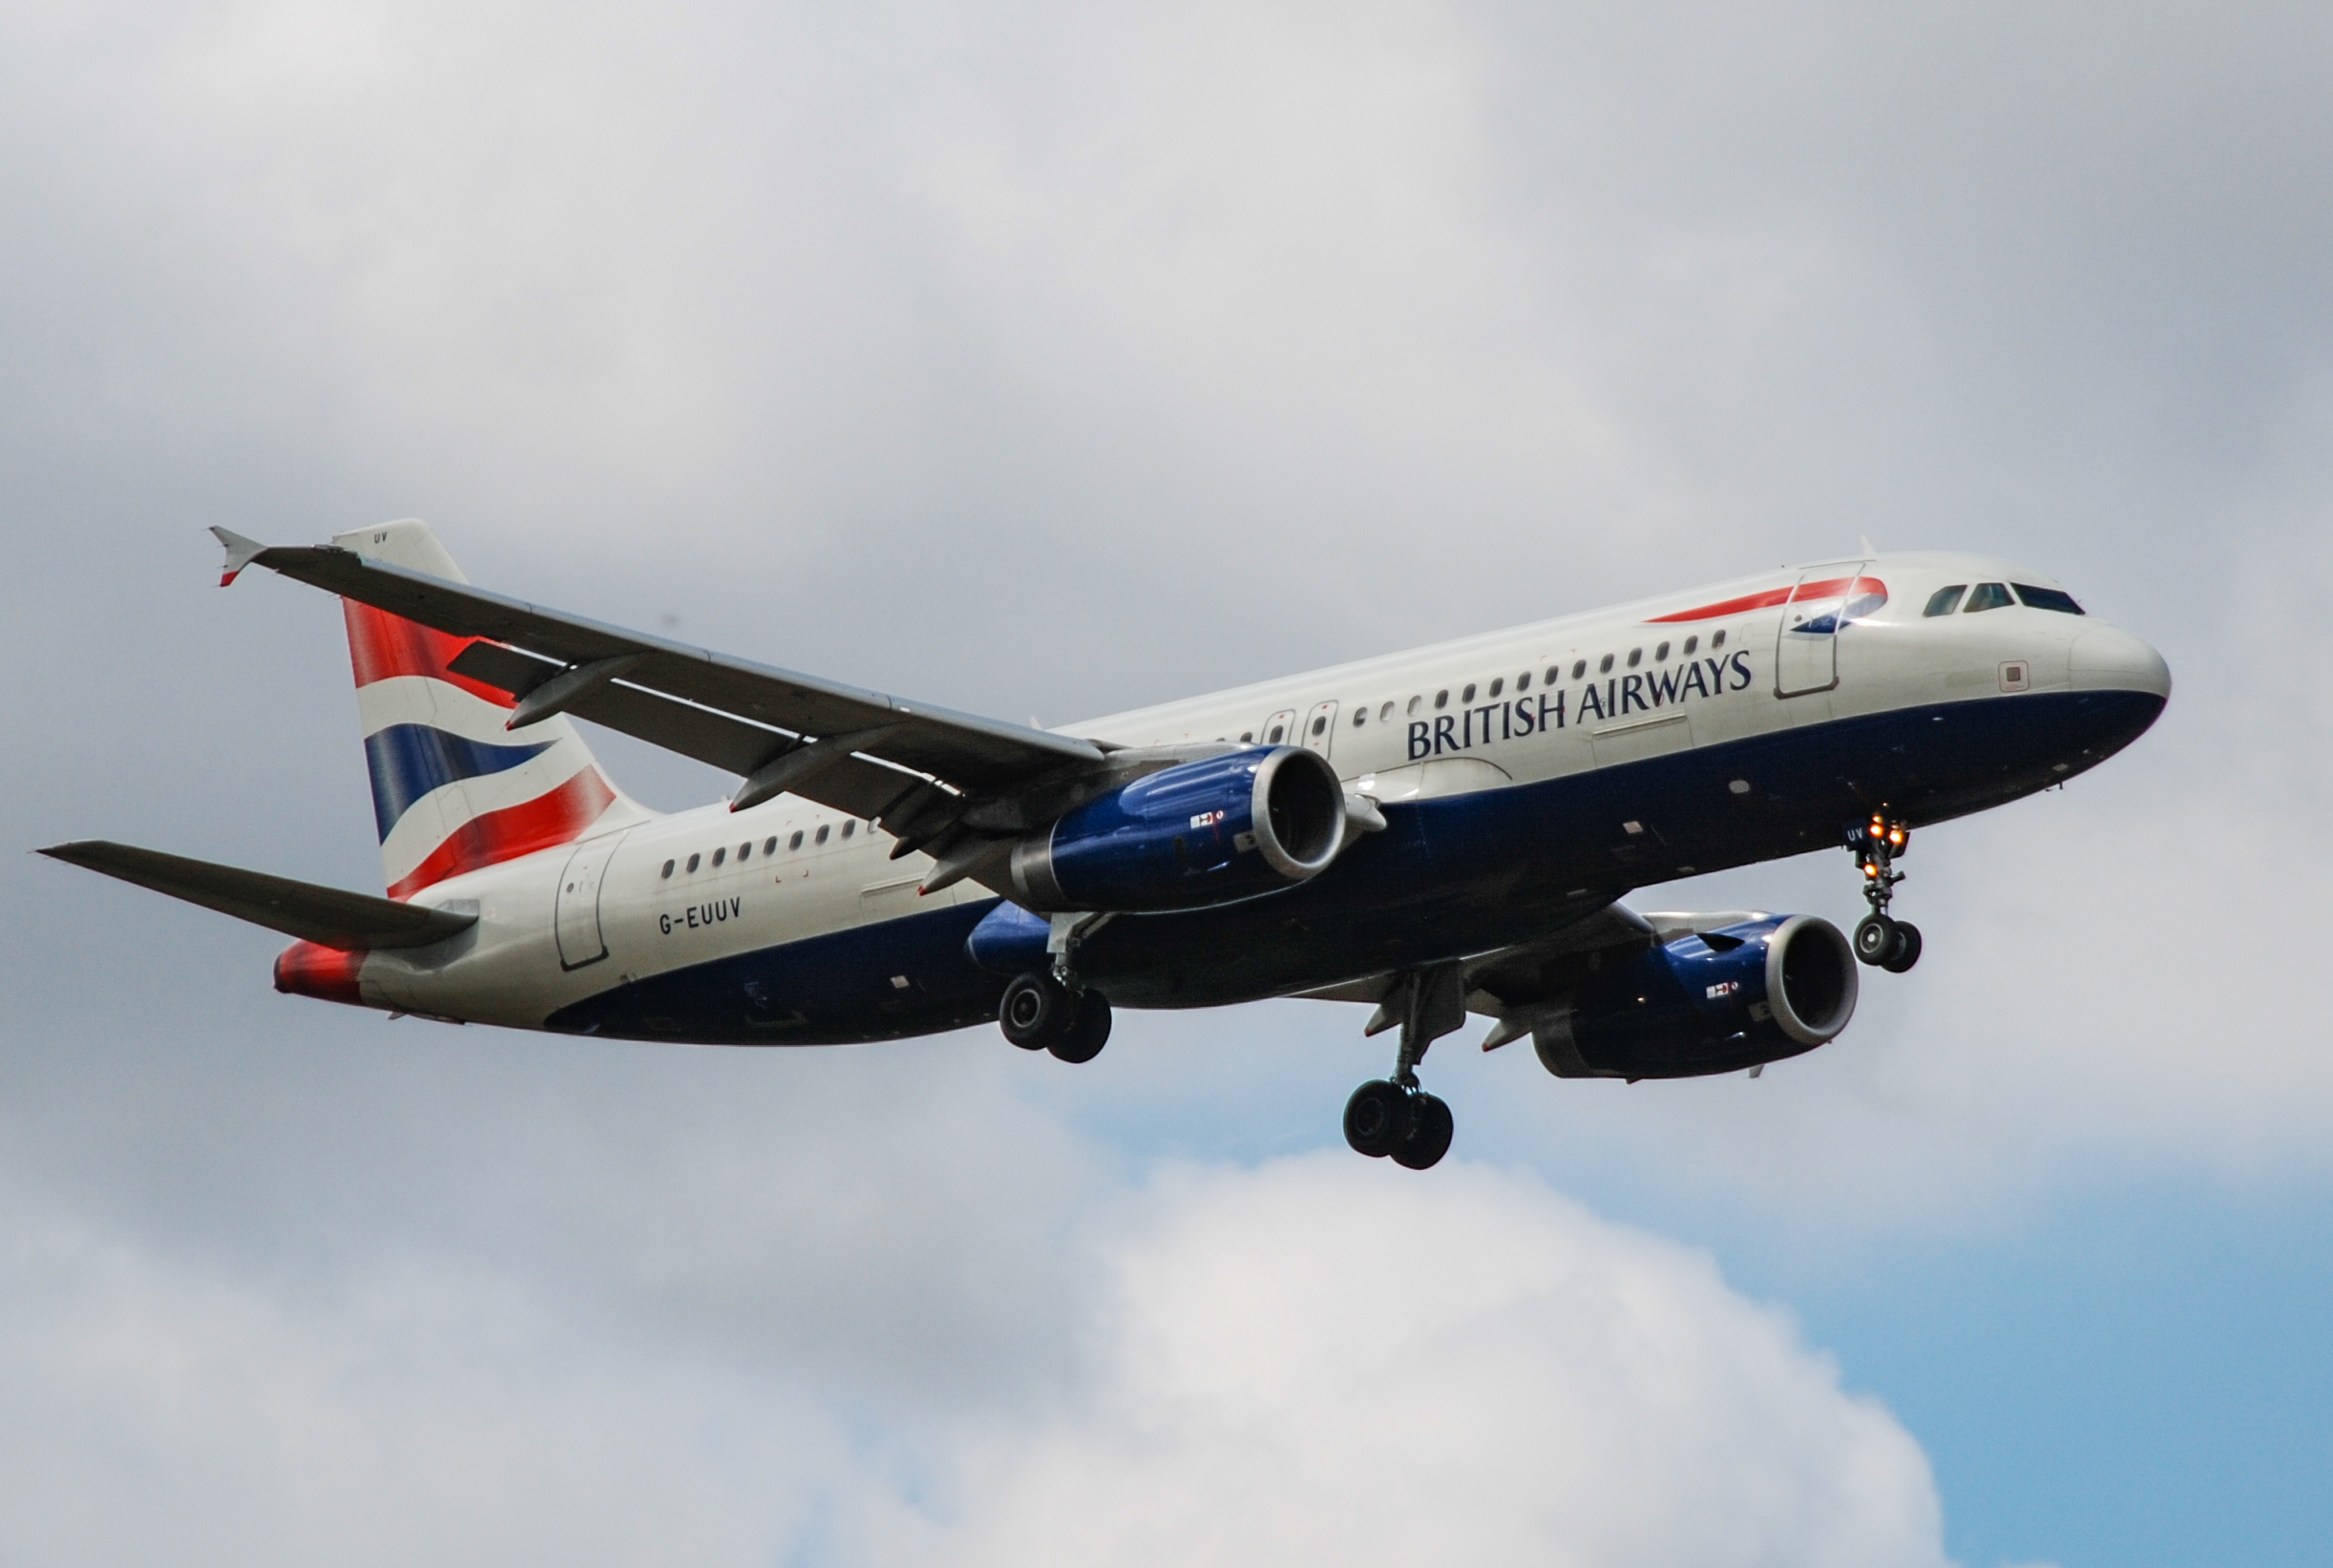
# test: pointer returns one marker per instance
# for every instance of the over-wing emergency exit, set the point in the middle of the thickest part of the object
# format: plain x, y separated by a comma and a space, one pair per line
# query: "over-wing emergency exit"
1436, 834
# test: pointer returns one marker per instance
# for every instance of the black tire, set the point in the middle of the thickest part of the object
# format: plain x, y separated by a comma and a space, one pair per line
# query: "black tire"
1088, 1031
1875, 938
1907, 951
1378, 1119
1430, 1130
1037, 1010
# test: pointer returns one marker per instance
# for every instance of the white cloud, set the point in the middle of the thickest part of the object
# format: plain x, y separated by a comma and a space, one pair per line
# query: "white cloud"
1325, 1362
1319, 1361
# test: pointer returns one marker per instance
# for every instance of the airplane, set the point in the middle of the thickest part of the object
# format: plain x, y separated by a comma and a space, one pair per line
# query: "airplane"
1437, 833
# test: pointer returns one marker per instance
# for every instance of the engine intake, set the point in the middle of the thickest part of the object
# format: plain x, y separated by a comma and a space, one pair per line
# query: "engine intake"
1714, 1001
1201, 833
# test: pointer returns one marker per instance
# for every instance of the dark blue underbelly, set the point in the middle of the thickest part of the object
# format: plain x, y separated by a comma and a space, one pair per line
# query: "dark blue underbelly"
1448, 877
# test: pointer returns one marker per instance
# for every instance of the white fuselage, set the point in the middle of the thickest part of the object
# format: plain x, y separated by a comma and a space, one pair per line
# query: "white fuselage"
1485, 713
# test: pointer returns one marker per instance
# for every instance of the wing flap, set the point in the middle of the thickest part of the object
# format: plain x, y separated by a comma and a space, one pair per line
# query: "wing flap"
965, 750
327, 916
850, 784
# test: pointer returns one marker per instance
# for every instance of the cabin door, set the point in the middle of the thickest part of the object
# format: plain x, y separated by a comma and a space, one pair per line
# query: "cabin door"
1806, 647
577, 917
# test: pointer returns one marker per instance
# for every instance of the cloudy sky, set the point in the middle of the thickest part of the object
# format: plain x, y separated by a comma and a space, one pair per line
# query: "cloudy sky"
1049, 360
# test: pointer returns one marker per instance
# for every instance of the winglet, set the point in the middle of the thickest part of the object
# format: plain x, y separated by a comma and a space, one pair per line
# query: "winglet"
241, 553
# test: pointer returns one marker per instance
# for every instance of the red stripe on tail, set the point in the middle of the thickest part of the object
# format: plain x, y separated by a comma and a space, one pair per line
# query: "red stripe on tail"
560, 817
382, 645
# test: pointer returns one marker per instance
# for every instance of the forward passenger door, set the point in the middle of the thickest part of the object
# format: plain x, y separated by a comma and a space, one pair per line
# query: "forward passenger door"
1806, 645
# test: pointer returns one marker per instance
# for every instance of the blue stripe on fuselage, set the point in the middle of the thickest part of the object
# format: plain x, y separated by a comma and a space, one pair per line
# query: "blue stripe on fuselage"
1459, 875
408, 761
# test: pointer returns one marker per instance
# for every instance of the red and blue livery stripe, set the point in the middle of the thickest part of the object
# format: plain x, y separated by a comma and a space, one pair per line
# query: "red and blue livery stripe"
558, 817
1868, 594
408, 761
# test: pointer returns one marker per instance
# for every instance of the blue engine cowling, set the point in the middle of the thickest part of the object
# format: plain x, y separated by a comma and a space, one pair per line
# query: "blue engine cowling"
1717, 1001
1200, 833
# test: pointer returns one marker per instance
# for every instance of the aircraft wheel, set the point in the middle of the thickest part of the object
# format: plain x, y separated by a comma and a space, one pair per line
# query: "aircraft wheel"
1088, 1031
1378, 1119
1875, 938
1036, 1011
1906, 949
1430, 1131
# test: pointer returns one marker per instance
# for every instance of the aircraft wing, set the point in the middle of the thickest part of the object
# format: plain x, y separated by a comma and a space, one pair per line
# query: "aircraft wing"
861, 751
1515, 984
1507, 978
327, 916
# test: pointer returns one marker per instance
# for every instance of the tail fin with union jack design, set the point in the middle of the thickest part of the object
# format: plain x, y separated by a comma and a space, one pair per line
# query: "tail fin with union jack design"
452, 789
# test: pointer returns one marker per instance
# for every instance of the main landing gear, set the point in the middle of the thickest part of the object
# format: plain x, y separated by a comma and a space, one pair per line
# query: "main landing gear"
1880, 938
1049, 1010
1394, 1117
1041, 1013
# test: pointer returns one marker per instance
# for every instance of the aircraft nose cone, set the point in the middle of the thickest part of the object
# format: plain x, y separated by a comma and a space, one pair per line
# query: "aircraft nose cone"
2107, 660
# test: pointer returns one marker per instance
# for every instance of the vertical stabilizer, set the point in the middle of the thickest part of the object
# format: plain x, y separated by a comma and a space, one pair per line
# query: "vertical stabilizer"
452, 789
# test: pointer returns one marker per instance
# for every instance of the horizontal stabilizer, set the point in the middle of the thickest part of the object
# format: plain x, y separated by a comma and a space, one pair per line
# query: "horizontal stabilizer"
327, 916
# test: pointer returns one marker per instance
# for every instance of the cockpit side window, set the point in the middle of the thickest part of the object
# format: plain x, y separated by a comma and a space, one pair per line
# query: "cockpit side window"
1988, 596
1945, 601
2047, 598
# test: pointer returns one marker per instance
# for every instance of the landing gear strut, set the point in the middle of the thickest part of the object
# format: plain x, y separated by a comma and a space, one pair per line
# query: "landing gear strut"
1880, 938
1394, 1116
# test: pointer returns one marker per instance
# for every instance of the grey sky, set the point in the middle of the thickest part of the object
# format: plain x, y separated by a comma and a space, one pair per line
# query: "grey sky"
1055, 361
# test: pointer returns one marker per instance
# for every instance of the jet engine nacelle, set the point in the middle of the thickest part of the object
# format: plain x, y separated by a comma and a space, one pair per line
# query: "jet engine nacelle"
1710, 1001
1201, 833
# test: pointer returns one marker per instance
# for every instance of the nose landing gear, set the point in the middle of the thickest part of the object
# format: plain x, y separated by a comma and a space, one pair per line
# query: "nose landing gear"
1394, 1117
1880, 938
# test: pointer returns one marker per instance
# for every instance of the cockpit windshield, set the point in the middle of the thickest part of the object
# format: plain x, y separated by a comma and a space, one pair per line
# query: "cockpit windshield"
1988, 596
2047, 598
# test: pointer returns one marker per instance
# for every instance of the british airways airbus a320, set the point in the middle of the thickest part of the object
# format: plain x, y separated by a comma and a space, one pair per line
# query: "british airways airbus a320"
1439, 832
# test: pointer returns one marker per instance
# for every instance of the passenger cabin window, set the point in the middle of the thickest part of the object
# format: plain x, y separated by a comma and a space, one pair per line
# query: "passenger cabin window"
1442, 699
1467, 696
668, 869
823, 832
849, 828
1320, 724
1988, 596
1414, 703
1579, 668
745, 851
1718, 640
1522, 681
692, 862
1691, 643
1945, 601
1385, 713
2047, 598
720, 854
1660, 653
1360, 715
795, 842
1274, 736
1499, 685
769, 845
1635, 656
1245, 736
1604, 665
